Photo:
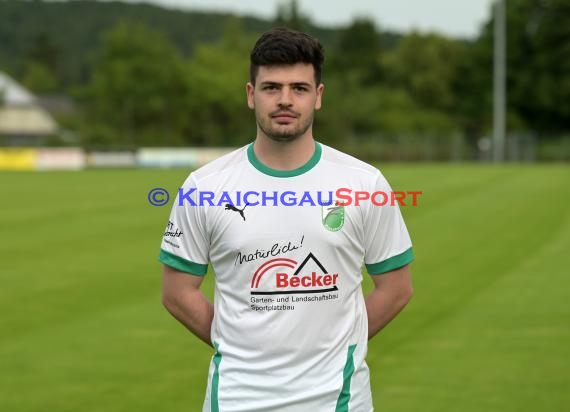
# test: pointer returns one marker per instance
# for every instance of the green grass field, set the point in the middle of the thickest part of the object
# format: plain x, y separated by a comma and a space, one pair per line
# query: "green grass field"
82, 327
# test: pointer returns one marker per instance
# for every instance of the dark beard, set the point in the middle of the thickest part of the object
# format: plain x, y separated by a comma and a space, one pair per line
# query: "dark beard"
285, 136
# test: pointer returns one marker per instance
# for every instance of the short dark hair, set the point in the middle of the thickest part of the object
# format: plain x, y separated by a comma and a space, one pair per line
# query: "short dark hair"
281, 46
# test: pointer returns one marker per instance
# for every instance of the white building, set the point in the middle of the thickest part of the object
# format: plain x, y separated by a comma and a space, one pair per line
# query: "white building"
23, 122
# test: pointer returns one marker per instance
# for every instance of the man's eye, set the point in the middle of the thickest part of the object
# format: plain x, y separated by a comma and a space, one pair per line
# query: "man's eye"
270, 88
301, 89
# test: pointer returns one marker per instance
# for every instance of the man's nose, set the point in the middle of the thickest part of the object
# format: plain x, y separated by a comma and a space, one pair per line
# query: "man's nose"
285, 97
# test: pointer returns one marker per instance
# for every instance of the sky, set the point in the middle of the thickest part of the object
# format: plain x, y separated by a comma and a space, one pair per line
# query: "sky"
456, 18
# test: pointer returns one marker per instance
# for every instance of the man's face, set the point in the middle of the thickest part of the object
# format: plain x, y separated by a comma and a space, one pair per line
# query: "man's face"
285, 98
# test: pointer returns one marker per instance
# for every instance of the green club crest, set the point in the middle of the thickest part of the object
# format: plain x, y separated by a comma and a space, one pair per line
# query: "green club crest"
332, 217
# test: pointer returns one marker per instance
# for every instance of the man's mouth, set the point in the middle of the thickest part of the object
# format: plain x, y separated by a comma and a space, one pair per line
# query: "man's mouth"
283, 117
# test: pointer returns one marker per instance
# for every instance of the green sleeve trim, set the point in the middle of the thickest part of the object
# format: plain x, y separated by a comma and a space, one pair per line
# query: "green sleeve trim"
181, 264
393, 263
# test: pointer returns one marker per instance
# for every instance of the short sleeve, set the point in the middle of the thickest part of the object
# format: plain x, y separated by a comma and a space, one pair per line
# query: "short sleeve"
185, 242
387, 242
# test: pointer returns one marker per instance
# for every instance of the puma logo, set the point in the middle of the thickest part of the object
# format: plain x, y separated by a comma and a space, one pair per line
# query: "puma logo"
235, 209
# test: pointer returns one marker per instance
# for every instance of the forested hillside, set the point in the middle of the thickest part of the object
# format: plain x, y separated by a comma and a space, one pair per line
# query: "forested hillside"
145, 75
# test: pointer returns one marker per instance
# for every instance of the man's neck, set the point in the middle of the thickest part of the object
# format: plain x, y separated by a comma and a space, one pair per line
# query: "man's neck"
284, 155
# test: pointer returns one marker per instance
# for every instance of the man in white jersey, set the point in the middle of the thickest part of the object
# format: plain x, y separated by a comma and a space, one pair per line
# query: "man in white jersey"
289, 322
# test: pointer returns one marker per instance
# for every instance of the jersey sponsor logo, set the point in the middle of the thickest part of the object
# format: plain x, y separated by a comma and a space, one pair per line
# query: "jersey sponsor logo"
284, 276
276, 249
172, 231
332, 216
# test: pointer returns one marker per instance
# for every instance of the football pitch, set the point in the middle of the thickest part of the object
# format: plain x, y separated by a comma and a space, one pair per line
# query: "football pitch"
82, 327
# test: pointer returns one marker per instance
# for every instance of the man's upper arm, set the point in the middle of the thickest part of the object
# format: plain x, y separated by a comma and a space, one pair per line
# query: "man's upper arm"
174, 280
400, 279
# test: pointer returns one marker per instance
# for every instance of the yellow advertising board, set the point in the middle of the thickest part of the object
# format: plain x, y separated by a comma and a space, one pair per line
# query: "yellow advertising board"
18, 159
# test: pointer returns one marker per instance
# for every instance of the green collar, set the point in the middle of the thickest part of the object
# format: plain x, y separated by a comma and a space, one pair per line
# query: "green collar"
285, 173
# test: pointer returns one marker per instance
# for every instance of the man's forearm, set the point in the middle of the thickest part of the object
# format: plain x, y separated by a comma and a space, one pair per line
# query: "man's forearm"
392, 291
382, 307
193, 310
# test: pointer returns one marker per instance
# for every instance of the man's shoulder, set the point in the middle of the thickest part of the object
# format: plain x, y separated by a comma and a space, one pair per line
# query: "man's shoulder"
347, 162
221, 166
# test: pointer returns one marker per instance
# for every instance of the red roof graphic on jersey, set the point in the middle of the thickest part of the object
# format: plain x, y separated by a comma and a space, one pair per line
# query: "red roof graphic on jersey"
270, 264
284, 282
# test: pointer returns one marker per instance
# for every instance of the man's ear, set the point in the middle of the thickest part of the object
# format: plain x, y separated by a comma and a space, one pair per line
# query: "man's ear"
320, 91
249, 89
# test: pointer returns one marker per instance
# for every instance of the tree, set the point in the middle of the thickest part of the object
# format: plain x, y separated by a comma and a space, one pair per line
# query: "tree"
358, 52
217, 74
138, 87
538, 63
426, 66
289, 15
353, 112
41, 68
44, 52
39, 78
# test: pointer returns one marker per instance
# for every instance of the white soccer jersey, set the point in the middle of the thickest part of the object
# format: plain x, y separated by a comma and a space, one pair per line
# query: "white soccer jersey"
290, 324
